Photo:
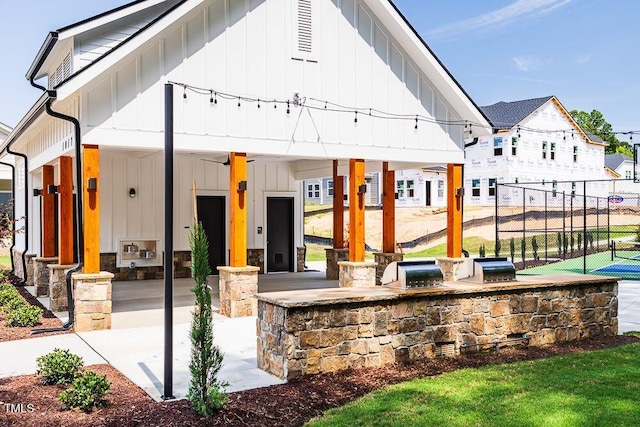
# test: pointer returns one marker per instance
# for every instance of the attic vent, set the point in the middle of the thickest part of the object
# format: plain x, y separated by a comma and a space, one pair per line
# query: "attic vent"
304, 26
62, 72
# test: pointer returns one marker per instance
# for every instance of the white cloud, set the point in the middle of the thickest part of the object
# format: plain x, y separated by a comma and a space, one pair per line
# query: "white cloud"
583, 59
516, 13
527, 63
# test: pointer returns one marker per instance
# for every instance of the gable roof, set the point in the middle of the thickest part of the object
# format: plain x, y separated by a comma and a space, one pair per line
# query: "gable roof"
505, 115
4, 129
613, 161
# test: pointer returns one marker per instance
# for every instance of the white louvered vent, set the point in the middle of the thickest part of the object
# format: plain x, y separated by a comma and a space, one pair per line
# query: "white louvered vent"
305, 26
62, 72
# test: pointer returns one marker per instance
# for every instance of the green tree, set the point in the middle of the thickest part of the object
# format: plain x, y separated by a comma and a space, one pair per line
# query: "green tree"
206, 392
596, 124
512, 247
534, 246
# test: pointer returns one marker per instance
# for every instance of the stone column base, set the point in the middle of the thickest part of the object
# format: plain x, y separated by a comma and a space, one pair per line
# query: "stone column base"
29, 260
453, 268
41, 275
302, 253
238, 289
58, 287
92, 299
334, 256
357, 274
384, 259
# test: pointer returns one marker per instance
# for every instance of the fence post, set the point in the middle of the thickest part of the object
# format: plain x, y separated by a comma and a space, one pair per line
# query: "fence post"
597, 224
608, 221
546, 248
564, 225
584, 230
524, 224
573, 194
496, 218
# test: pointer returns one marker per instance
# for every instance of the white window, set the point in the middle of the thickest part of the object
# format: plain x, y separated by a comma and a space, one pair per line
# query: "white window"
400, 189
627, 174
440, 188
544, 149
316, 192
492, 187
553, 151
475, 187
575, 153
313, 191
330, 187
497, 146
410, 189
514, 146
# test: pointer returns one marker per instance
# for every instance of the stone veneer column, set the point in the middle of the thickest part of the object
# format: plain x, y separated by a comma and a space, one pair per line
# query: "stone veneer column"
238, 289
255, 258
58, 287
29, 260
357, 274
41, 274
451, 268
302, 253
384, 259
92, 299
334, 256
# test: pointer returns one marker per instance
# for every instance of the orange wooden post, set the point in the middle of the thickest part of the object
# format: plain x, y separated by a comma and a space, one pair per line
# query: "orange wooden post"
65, 206
48, 214
454, 210
91, 200
338, 208
238, 209
388, 209
356, 210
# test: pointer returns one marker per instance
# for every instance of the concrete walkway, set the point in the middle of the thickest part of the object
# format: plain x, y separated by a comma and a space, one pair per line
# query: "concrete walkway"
135, 345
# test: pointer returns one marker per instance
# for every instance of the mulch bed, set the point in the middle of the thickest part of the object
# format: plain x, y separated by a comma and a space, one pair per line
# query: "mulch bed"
290, 404
48, 320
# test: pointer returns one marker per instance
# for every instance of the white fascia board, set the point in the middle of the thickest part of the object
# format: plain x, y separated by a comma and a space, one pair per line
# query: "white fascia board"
154, 140
107, 19
428, 63
37, 108
5, 129
55, 57
96, 69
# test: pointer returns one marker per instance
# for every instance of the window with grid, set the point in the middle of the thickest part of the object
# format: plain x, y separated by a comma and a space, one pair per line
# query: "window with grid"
316, 192
400, 189
492, 187
440, 188
627, 174
475, 187
330, 187
410, 189
497, 146
514, 146
554, 188
553, 151
544, 149
310, 191
575, 153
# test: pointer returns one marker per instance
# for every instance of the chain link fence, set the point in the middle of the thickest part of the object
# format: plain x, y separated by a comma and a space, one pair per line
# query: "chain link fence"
572, 223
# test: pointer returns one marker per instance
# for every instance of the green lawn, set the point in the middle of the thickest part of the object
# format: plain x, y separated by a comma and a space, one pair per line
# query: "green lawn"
598, 388
5, 262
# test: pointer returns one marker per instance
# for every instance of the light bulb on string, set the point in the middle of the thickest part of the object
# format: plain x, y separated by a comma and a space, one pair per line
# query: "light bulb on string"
518, 132
275, 105
258, 102
355, 120
416, 127
288, 107
211, 97
238, 102
184, 92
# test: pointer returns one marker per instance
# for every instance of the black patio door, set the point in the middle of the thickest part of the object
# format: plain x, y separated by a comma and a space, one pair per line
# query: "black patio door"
211, 213
427, 195
280, 234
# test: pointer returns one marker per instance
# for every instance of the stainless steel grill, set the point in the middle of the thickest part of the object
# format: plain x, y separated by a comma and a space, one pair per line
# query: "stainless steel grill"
412, 274
492, 270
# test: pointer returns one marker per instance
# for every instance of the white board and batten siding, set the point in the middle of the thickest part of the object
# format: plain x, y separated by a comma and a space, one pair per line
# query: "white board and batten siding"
336, 51
142, 217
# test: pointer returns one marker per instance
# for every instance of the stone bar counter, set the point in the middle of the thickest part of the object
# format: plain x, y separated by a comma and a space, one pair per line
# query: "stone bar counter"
326, 330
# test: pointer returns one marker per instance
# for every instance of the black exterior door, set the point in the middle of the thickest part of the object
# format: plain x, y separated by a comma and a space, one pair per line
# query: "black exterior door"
279, 234
211, 213
427, 195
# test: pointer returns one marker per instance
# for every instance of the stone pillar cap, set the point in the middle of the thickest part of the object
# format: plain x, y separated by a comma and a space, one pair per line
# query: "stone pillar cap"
61, 267
336, 249
46, 259
358, 264
90, 276
449, 259
229, 269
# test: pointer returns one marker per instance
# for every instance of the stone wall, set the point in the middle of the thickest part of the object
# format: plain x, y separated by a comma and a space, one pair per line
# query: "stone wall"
301, 339
18, 267
255, 258
301, 253
334, 256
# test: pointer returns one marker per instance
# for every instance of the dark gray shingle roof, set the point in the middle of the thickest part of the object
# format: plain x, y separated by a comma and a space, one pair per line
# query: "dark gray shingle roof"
613, 161
505, 115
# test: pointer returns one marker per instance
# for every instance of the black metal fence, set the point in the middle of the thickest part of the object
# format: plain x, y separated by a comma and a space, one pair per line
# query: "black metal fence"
540, 223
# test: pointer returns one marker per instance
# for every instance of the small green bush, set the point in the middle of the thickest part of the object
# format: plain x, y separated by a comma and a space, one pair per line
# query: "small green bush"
14, 303
24, 316
59, 367
86, 392
8, 293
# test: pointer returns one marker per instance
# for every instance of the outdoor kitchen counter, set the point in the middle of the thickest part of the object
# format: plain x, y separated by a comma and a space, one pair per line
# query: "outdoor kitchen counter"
326, 330
314, 297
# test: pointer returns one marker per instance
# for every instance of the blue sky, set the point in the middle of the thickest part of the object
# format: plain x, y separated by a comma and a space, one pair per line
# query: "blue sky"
582, 51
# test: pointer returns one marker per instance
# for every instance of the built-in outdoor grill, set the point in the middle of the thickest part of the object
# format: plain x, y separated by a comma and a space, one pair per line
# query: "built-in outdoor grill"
412, 274
492, 270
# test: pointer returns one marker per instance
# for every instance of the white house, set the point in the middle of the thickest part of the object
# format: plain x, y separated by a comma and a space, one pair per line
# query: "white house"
533, 140
424, 187
294, 84
5, 171
619, 166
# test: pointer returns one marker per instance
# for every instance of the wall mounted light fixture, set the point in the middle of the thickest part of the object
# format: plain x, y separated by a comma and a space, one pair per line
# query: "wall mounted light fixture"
242, 185
92, 184
52, 189
132, 192
362, 189
37, 192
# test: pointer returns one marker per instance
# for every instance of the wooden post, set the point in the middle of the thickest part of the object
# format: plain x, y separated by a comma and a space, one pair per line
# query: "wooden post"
388, 209
65, 206
48, 214
356, 211
454, 210
338, 208
238, 210
91, 199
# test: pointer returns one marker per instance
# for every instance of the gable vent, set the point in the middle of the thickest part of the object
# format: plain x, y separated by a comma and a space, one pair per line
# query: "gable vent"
305, 39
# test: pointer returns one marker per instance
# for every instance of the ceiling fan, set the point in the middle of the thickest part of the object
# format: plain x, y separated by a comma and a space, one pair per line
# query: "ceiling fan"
225, 163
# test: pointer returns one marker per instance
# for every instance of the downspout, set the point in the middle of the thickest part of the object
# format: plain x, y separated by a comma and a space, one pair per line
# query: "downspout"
79, 205
23, 282
13, 214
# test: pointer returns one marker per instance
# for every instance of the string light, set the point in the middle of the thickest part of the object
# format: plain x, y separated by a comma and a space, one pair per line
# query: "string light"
375, 113
416, 127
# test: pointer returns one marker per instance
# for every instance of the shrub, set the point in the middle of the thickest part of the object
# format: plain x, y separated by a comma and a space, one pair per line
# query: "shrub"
559, 244
523, 248
59, 367
8, 293
565, 243
498, 247
591, 239
86, 392
24, 316
14, 303
534, 246
512, 247
580, 242
482, 251
572, 241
